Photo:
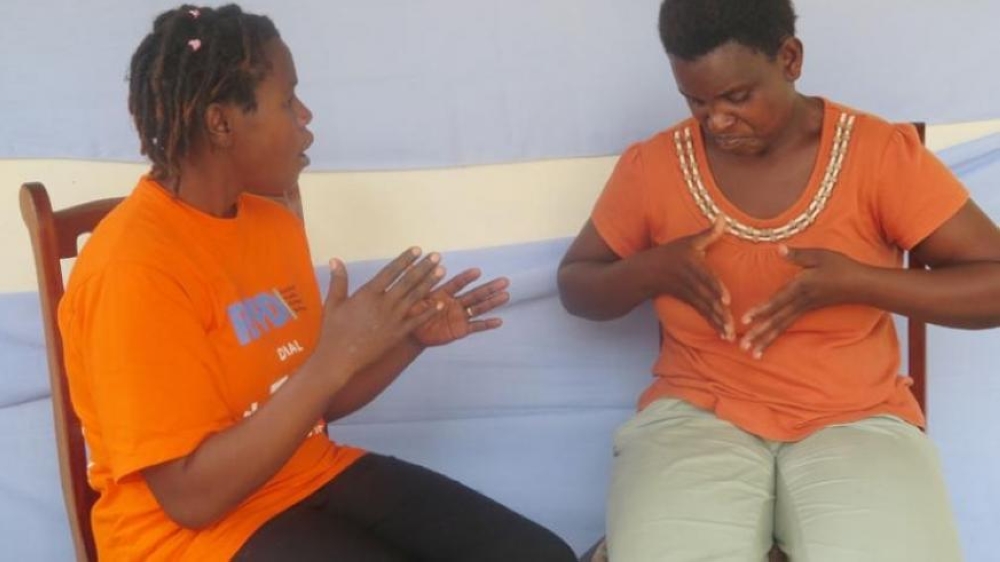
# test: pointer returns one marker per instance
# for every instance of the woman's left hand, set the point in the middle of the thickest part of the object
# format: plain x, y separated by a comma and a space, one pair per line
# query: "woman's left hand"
462, 313
827, 278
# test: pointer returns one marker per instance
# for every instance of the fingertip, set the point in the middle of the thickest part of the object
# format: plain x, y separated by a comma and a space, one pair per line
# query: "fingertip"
415, 251
783, 250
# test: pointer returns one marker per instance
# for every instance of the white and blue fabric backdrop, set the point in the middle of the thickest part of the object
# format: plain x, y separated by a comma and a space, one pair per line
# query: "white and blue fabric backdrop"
428, 83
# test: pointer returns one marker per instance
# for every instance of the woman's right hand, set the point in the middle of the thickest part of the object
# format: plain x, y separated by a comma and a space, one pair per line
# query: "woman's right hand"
679, 270
358, 329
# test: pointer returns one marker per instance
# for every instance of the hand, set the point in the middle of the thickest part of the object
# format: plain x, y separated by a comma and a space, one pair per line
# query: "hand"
457, 318
684, 275
359, 329
825, 280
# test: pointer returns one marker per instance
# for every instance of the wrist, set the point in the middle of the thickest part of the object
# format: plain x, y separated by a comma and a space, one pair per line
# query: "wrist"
864, 285
326, 373
413, 343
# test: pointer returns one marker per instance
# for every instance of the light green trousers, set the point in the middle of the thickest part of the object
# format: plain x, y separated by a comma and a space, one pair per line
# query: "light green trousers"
687, 486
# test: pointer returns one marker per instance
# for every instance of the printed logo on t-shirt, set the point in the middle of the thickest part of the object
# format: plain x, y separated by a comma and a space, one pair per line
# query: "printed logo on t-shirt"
253, 317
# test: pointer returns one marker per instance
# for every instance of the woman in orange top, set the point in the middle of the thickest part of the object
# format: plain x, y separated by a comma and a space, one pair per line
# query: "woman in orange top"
768, 230
204, 365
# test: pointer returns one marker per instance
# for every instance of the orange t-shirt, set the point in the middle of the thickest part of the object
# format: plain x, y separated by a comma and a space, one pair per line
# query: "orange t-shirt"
177, 325
833, 365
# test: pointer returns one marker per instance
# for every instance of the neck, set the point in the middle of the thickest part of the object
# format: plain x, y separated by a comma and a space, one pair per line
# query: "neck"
205, 185
802, 123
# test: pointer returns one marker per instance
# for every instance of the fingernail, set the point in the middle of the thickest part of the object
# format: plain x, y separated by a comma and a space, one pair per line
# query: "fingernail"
757, 354
782, 249
746, 319
438, 271
333, 264
439, 305
434, 257
745, 345
415, 250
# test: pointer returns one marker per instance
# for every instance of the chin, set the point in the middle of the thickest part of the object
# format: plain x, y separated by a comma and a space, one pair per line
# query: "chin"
742, 148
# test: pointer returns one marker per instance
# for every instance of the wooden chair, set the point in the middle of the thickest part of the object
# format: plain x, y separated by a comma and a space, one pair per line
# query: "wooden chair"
916, 349
54, 237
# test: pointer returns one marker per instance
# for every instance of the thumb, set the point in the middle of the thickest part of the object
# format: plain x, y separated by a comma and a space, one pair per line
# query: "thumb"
338, 283
801, 257
707, 237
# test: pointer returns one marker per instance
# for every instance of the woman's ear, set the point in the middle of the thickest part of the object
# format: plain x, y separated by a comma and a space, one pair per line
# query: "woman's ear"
217, 126
790, 56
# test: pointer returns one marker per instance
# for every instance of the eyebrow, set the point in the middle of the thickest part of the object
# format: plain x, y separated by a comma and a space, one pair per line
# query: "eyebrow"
726, 93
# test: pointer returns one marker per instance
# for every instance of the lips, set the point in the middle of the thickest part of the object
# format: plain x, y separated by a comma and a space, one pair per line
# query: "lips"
302, 155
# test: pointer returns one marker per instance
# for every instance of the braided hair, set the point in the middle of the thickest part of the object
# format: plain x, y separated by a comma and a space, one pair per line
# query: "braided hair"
192, 58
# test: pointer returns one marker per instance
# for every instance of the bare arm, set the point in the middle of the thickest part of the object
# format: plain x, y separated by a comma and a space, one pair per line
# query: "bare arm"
371, 381
198, 489
962, 288
595, 283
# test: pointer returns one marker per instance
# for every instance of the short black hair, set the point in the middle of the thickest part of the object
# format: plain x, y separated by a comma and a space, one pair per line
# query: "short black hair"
692, 28
193, 57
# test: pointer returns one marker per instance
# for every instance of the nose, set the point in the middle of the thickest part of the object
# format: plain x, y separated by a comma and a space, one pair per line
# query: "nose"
719, 121
305, 115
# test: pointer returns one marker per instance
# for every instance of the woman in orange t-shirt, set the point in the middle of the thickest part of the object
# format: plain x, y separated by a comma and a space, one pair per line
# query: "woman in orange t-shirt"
768, 230
203, 363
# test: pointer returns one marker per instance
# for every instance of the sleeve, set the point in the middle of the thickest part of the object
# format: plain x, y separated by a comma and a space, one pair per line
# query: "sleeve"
916, 192
620, 214
150, 369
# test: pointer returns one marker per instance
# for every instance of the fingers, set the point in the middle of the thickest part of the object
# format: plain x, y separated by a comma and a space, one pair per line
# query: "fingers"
802, 257
770, 320
483, 292
487, 304
709, 297
338, 283
391, 272
758, 338
460, 281
707, 237
484, 325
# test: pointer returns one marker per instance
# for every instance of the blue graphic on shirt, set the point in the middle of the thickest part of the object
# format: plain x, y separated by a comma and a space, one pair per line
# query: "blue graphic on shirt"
258, 315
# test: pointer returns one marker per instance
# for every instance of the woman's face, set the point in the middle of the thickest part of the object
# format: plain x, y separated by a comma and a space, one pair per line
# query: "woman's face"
741, 98
269, 143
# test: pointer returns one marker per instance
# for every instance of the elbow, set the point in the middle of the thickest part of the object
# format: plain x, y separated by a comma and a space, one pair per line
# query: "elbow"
992, 321
192, 515
569, 296
579, 300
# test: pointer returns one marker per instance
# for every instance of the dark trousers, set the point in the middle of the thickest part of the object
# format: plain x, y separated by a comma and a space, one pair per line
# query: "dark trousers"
384, 509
